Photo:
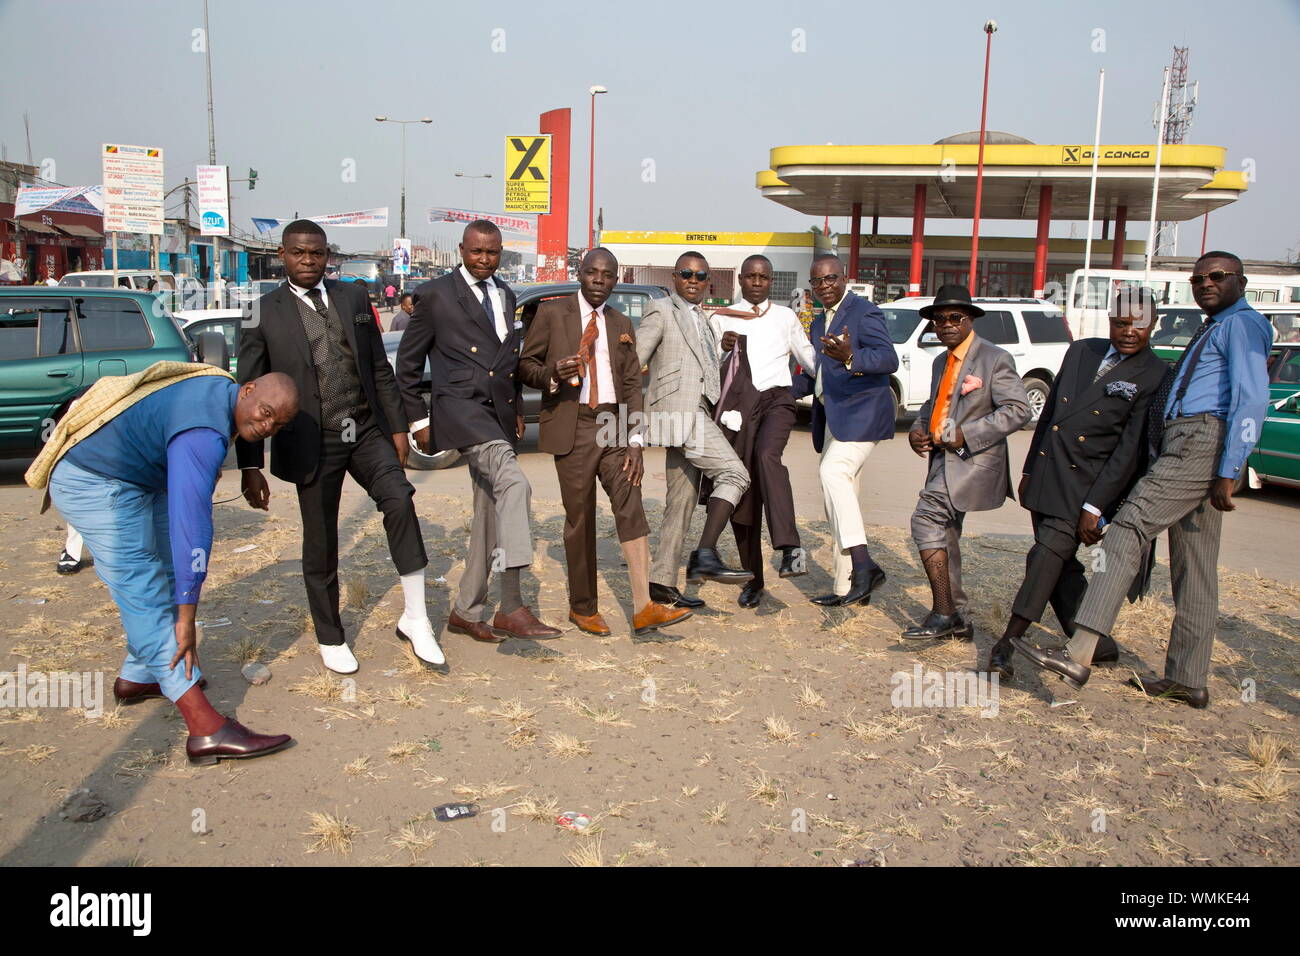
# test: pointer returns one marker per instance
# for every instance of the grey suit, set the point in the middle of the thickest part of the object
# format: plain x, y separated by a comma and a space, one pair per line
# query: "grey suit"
981, 479
678, 408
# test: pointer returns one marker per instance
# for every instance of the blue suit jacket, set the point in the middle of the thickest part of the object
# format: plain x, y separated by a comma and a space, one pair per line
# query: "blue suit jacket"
857, 403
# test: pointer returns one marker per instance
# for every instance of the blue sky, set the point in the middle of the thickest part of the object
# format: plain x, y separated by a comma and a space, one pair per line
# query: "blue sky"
703, 90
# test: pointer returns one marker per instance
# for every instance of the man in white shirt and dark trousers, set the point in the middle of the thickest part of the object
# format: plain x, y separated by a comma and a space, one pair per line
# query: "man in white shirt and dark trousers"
772, 333
464, 326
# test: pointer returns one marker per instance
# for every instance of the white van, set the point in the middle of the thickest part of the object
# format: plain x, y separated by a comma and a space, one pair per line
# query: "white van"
179, 292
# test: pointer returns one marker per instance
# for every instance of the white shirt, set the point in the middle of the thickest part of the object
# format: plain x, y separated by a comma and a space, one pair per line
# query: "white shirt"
301, 293
771, 340
494, 294
600, 355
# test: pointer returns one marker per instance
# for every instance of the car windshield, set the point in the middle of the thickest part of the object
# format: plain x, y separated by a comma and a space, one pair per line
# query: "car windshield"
1176, 326
902, 323
87, 282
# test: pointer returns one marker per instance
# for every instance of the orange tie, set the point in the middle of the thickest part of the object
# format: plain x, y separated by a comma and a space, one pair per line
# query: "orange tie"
941, 400
587, 355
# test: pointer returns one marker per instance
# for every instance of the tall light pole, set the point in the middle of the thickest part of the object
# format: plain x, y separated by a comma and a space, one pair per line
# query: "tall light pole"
591, 170
990, 28
471, 177
403, 124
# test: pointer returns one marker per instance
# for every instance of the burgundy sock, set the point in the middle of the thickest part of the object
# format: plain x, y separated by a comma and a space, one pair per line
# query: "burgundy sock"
199, 715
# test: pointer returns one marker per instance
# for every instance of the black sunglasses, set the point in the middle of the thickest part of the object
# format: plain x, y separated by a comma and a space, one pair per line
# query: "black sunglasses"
689, 273
1214, 275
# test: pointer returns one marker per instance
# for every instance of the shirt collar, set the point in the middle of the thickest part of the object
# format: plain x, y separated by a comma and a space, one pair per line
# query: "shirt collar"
472, 282
586, 308
960, 351
300, 291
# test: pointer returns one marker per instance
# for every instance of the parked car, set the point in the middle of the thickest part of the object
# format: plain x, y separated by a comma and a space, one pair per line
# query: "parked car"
250, 292
1276, 456
57, 341
219, 323
631, 300
1032, 330
178, 292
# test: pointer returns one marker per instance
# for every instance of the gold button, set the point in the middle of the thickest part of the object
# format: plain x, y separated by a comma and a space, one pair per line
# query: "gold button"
1074, 466
1095, 412
473, 348
1042, 453
490, 372
512, 374
1064, 399
1080, 437
1056, 428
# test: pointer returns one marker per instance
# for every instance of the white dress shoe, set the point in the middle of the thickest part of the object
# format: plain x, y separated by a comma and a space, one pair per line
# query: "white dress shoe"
338, 658
419, 633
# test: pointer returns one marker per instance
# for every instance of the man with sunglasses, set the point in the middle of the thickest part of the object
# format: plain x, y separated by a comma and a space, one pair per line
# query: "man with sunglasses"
853, 409
770, 334
678, 344
1207, 420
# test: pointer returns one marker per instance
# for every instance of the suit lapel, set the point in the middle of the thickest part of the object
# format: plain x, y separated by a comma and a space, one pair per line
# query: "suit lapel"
967, 368
1086, 391
690, 330
287, 304
472, 307
841, 316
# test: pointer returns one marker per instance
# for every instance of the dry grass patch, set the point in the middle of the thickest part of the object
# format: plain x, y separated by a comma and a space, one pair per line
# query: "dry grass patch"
809, 699
246, 650
403, 696
332, 833
473, 793
607, 716
566, 746
588, 853
764, 788
414, 838
779, 729
716, 816
140, 763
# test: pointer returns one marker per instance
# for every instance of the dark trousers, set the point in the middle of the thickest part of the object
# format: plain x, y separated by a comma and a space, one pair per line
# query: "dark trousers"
372, 462
774, 417
1053, 573
578, 471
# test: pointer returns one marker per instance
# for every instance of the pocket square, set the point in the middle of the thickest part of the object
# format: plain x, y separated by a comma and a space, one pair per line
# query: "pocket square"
1126, 390
360, 319
970, 383
627, 339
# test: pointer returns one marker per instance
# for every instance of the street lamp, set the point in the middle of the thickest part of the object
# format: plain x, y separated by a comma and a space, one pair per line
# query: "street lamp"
471, 177
990, 28
591, 170
403, 124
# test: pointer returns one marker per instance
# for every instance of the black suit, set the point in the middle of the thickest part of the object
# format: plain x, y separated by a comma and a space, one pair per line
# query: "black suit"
1089, 447
476, 386
314, 457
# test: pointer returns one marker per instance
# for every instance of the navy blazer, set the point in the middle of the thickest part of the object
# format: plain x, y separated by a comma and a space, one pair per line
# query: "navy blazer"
857, 403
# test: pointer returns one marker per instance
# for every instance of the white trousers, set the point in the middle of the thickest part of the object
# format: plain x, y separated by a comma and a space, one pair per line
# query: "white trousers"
841, 473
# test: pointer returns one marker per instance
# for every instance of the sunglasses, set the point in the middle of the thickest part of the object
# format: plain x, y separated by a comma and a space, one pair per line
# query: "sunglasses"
1215, 275
825, 280
689, 274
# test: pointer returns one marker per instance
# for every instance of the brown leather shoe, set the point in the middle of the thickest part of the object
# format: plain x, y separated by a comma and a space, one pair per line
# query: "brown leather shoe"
591, 623
478, 630
521, 623
654, 616
233, 741
129, 692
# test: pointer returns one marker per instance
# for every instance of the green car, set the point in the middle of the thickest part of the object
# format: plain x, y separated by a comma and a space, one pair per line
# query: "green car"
1276, 458
56, 342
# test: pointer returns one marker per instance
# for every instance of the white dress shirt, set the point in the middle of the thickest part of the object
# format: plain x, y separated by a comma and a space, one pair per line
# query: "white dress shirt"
600, 355
494, 294
301, 293
771, 339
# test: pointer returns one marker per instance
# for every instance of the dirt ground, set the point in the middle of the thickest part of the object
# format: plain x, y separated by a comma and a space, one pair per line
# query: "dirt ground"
754, 738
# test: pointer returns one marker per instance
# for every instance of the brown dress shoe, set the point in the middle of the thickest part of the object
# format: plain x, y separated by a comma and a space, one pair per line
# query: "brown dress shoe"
654, 616
233, 741
1198, 697
521, 623
478, 630
591, 623
129, 692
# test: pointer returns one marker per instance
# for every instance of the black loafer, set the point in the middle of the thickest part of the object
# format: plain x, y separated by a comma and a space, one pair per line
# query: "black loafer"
671, 597
827, 600
861, 584
705, 565
794, 562
68, 564
936, 626
1058, 661
750, 595
1000, 660
1198, 697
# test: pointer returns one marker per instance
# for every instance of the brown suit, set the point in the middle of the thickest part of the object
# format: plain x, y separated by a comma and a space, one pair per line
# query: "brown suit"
579, 436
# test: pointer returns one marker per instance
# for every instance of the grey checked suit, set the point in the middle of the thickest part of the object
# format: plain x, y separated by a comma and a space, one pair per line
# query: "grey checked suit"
679, 415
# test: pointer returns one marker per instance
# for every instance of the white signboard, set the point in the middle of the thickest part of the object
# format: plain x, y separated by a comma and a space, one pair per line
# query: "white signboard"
214, 200
133, 189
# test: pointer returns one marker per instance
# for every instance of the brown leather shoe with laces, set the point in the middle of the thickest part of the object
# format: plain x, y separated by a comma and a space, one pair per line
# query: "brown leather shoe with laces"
521, 623
654, 616
590, 623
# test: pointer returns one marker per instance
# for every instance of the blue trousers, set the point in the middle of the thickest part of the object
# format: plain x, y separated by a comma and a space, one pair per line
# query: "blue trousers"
125, 527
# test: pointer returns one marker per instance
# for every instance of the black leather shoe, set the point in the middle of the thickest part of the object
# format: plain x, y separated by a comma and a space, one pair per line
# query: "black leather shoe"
1198, 697
1000, 659
750, 595
68, 564
861, 584
794, 562
1058, 661
827, 600
671, 597
1106, 652
705, 565
935, 626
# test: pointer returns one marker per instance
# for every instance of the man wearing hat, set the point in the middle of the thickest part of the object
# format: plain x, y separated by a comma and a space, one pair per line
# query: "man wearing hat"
976, 401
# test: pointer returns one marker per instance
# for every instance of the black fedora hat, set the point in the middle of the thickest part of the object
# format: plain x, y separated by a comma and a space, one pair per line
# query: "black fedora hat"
952, 295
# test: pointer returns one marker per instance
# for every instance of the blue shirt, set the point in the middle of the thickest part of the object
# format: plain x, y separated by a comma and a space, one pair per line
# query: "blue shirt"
1230, 382
173, 442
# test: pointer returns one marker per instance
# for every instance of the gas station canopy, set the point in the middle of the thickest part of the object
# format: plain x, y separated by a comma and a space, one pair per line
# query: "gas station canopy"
828, 180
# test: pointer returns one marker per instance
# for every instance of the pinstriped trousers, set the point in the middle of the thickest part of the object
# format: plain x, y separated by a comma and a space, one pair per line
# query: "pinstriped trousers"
1173, 495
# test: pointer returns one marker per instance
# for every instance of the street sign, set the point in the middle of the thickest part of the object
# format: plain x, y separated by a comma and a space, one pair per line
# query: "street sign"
528, 174
214, 200
133, 189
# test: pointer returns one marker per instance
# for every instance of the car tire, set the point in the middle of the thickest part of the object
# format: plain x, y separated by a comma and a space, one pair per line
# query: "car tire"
1037, 390
899, 411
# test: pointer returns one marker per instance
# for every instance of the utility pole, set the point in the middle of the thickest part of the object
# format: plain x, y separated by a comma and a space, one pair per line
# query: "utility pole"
212, 156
